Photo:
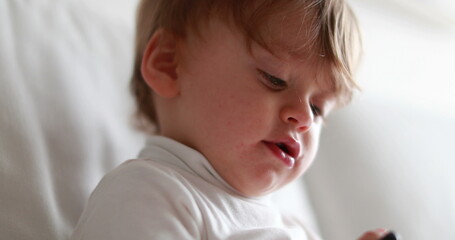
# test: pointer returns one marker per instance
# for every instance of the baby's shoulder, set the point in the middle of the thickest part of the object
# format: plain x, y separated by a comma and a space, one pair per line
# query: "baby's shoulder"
143, 177
144, 168
140, 198
141, 182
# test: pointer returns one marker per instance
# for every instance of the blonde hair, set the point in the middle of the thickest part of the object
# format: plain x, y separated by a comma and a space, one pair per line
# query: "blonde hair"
332, 33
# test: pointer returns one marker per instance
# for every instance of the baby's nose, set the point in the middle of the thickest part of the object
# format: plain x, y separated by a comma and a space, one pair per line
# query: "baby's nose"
299, 116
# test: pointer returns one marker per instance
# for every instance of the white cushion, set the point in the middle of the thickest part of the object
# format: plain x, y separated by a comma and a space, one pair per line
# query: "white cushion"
64, 112
384, 163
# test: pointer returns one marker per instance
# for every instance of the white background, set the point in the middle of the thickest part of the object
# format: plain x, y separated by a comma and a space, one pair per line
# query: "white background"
409, 50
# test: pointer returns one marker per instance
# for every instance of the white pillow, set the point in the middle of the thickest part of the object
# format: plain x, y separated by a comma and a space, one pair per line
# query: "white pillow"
64, 112
385, 163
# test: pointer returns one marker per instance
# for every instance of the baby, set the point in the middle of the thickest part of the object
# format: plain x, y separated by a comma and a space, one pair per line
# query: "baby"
237, 92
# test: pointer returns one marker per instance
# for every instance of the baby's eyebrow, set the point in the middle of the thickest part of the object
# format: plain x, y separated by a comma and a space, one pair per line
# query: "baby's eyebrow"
273, 50
265, 52
327, 85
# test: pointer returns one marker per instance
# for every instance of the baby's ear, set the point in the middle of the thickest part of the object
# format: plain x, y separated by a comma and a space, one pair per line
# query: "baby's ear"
159, 64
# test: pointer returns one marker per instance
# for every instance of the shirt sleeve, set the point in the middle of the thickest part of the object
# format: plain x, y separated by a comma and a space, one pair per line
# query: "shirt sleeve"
139, 200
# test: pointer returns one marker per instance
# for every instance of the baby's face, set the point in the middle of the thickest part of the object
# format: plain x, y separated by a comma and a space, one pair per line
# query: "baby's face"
256, 117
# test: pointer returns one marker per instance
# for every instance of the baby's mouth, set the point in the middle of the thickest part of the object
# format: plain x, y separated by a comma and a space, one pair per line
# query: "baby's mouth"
287, 150
289, 147
284, 148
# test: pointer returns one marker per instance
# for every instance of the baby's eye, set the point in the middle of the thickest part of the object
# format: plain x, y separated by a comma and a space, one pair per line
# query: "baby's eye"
273, 82
316, 110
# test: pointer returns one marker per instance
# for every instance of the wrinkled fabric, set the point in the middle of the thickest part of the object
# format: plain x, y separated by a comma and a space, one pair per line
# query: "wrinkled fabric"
172, 192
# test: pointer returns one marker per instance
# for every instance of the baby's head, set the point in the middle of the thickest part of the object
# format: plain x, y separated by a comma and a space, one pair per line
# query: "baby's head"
246, 83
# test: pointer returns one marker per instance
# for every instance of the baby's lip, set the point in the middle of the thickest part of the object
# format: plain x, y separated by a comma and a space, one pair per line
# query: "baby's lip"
292, 146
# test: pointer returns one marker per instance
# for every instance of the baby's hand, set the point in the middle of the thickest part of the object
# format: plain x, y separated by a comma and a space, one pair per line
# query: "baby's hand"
379, 234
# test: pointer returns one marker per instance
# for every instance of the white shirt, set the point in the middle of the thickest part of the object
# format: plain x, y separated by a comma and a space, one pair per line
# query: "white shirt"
172, 192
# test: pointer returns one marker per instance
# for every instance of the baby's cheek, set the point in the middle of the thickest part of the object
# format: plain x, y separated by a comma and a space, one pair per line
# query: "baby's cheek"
311, 143
243, 116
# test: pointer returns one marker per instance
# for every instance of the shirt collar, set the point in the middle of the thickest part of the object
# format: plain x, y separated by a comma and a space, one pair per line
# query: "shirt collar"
170, 152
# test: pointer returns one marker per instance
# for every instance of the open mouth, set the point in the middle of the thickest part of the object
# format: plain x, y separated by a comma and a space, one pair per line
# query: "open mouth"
283, 148
286, 151
290, 148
